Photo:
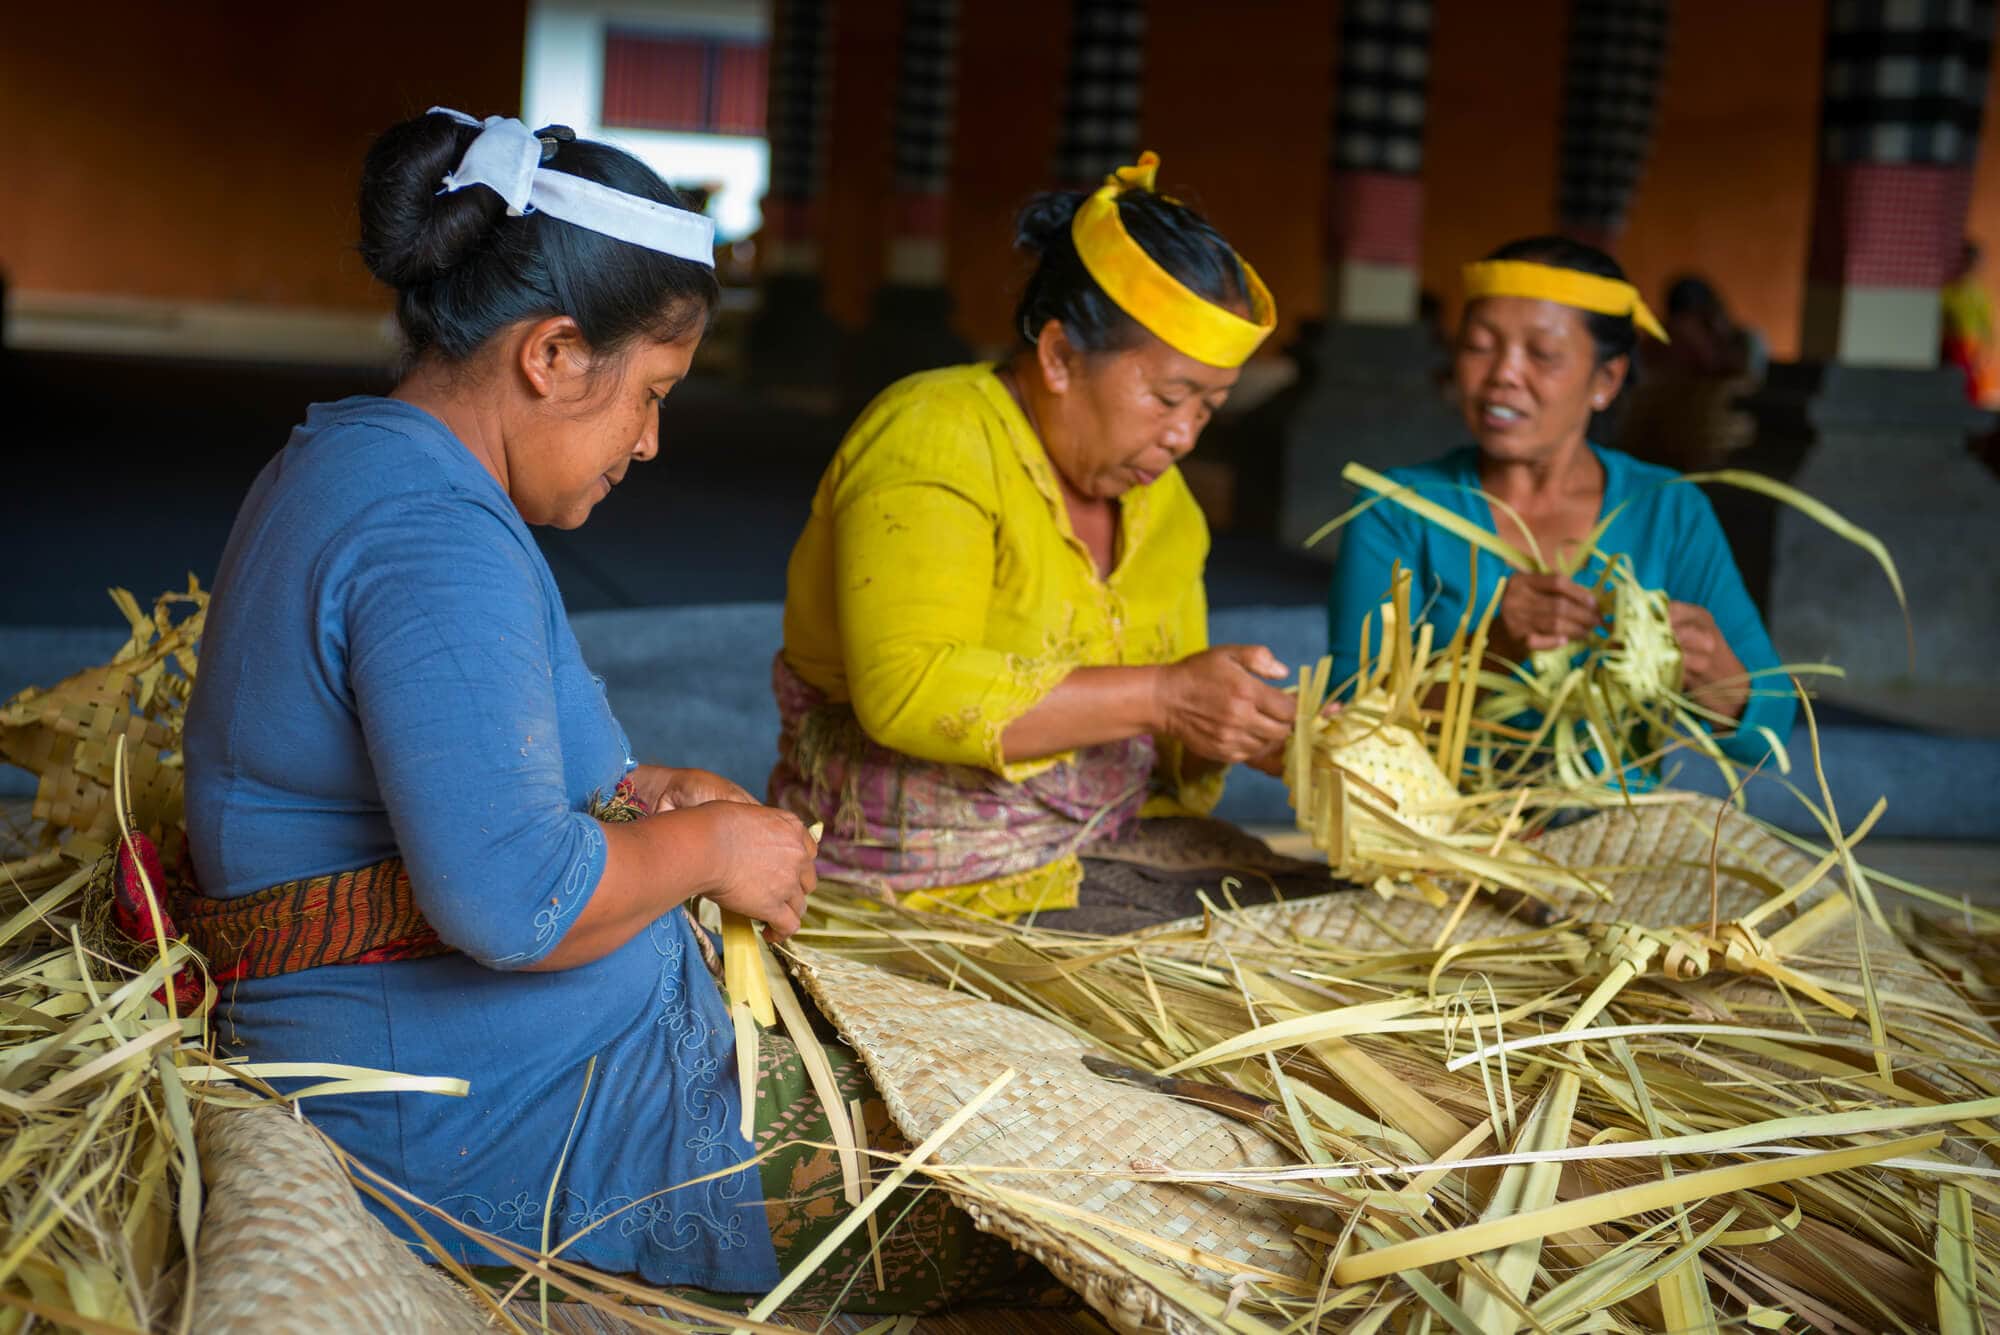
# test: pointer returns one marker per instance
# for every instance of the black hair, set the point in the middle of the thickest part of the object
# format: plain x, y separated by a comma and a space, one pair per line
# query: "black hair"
463, 269
1691, 294
1613, 335
1178, 239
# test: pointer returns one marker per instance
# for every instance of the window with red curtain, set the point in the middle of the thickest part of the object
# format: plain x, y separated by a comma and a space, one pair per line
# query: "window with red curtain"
675, 81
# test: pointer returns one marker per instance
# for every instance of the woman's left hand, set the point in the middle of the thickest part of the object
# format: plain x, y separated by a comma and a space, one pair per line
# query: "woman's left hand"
1712, 673
1272, 762
663, 788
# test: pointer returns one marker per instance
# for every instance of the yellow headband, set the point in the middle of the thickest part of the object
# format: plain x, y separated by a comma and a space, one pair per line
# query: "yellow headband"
1565, 287
1183, 320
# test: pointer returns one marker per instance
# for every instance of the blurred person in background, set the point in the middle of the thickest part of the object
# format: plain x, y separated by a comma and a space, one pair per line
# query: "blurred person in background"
1965, 326
1681, 409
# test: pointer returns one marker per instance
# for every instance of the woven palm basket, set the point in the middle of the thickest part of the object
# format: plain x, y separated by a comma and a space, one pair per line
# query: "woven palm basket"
286, 1245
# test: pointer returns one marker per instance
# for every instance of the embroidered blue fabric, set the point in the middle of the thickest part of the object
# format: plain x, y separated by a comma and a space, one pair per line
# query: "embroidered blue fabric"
1670, 533
388, 669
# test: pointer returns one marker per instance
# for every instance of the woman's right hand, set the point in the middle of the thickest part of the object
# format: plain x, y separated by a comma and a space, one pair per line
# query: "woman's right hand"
1542, 612
765, 861
1219, 705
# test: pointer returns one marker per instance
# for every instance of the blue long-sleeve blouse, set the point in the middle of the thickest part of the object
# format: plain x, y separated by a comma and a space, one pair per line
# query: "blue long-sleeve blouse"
1670, 533
387, 669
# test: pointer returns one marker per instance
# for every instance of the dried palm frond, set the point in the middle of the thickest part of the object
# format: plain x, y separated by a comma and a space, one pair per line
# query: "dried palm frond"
1604, 1124
1715, 1092
1613, 701
66, 735
1376, 783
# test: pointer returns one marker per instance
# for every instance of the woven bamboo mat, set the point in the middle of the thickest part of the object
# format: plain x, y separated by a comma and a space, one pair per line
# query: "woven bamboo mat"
1058, 1117
1665, 866
286, 1246
1654, 861
1672, 865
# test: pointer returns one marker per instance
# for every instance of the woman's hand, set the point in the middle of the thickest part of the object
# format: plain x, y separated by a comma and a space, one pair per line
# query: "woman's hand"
1218, 705
1542, 612
1710, 670
754, 859
663, 788
764, 858
1272, 761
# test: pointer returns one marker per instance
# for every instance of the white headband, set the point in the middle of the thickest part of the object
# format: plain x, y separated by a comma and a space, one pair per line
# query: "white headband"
506, 158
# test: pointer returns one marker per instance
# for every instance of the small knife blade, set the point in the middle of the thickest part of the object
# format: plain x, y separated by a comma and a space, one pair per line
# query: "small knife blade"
1217, 1098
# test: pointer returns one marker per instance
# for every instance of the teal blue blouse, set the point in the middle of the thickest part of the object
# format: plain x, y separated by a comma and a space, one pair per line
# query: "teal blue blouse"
1670, 533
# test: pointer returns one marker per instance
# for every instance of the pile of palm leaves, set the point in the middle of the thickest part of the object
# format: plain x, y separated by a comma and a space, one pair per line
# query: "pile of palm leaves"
1599, 707
99, 1190
1775, 1113
107, 1061
1590, 1125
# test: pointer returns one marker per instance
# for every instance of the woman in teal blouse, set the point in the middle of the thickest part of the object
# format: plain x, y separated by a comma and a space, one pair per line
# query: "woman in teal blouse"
1530, 371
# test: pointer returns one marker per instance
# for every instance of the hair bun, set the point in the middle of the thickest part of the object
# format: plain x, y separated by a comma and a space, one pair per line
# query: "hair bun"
410, 232
1045, 219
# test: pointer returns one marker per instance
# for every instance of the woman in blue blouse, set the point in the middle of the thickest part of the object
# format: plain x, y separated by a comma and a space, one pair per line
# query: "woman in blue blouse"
1529, 371
397, 758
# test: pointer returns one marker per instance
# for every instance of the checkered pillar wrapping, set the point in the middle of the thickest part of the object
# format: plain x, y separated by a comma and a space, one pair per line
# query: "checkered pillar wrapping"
925, 101
1611, 81
1905, 87
800, 75
1382, 77
1100, 121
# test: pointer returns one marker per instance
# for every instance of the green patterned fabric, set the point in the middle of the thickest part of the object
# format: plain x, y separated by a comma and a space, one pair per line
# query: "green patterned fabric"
932, 1257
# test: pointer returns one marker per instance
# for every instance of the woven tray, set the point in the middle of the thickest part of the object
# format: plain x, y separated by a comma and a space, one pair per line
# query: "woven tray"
286, 1245
1054, 1118
929, 1050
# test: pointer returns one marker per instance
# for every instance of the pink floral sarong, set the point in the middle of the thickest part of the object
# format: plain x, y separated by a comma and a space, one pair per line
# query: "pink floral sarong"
895, 822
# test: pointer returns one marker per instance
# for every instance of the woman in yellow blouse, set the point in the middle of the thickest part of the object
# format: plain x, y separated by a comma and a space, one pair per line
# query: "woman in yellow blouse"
996, 643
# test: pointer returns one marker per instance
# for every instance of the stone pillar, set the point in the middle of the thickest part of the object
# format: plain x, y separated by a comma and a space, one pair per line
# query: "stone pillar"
1884, 428
1376, 189
909, 328
1101, 97
1617, 50
1905, 86
1369, 385
926, 99
792, 344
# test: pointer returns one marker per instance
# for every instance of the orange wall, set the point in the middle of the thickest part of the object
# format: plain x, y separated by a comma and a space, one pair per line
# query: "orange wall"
210, 151
1729, 188
1983, 224
1238, 99
1239, 105
1009, 89
1490, 131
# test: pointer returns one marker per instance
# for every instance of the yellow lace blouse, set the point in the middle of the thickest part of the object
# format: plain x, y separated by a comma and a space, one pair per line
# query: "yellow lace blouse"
940, 590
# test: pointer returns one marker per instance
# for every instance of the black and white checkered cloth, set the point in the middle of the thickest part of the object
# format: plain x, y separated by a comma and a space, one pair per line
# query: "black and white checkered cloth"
799, 79
925, 96
1383, 72
1100, 121
1905, 80
1617, 51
